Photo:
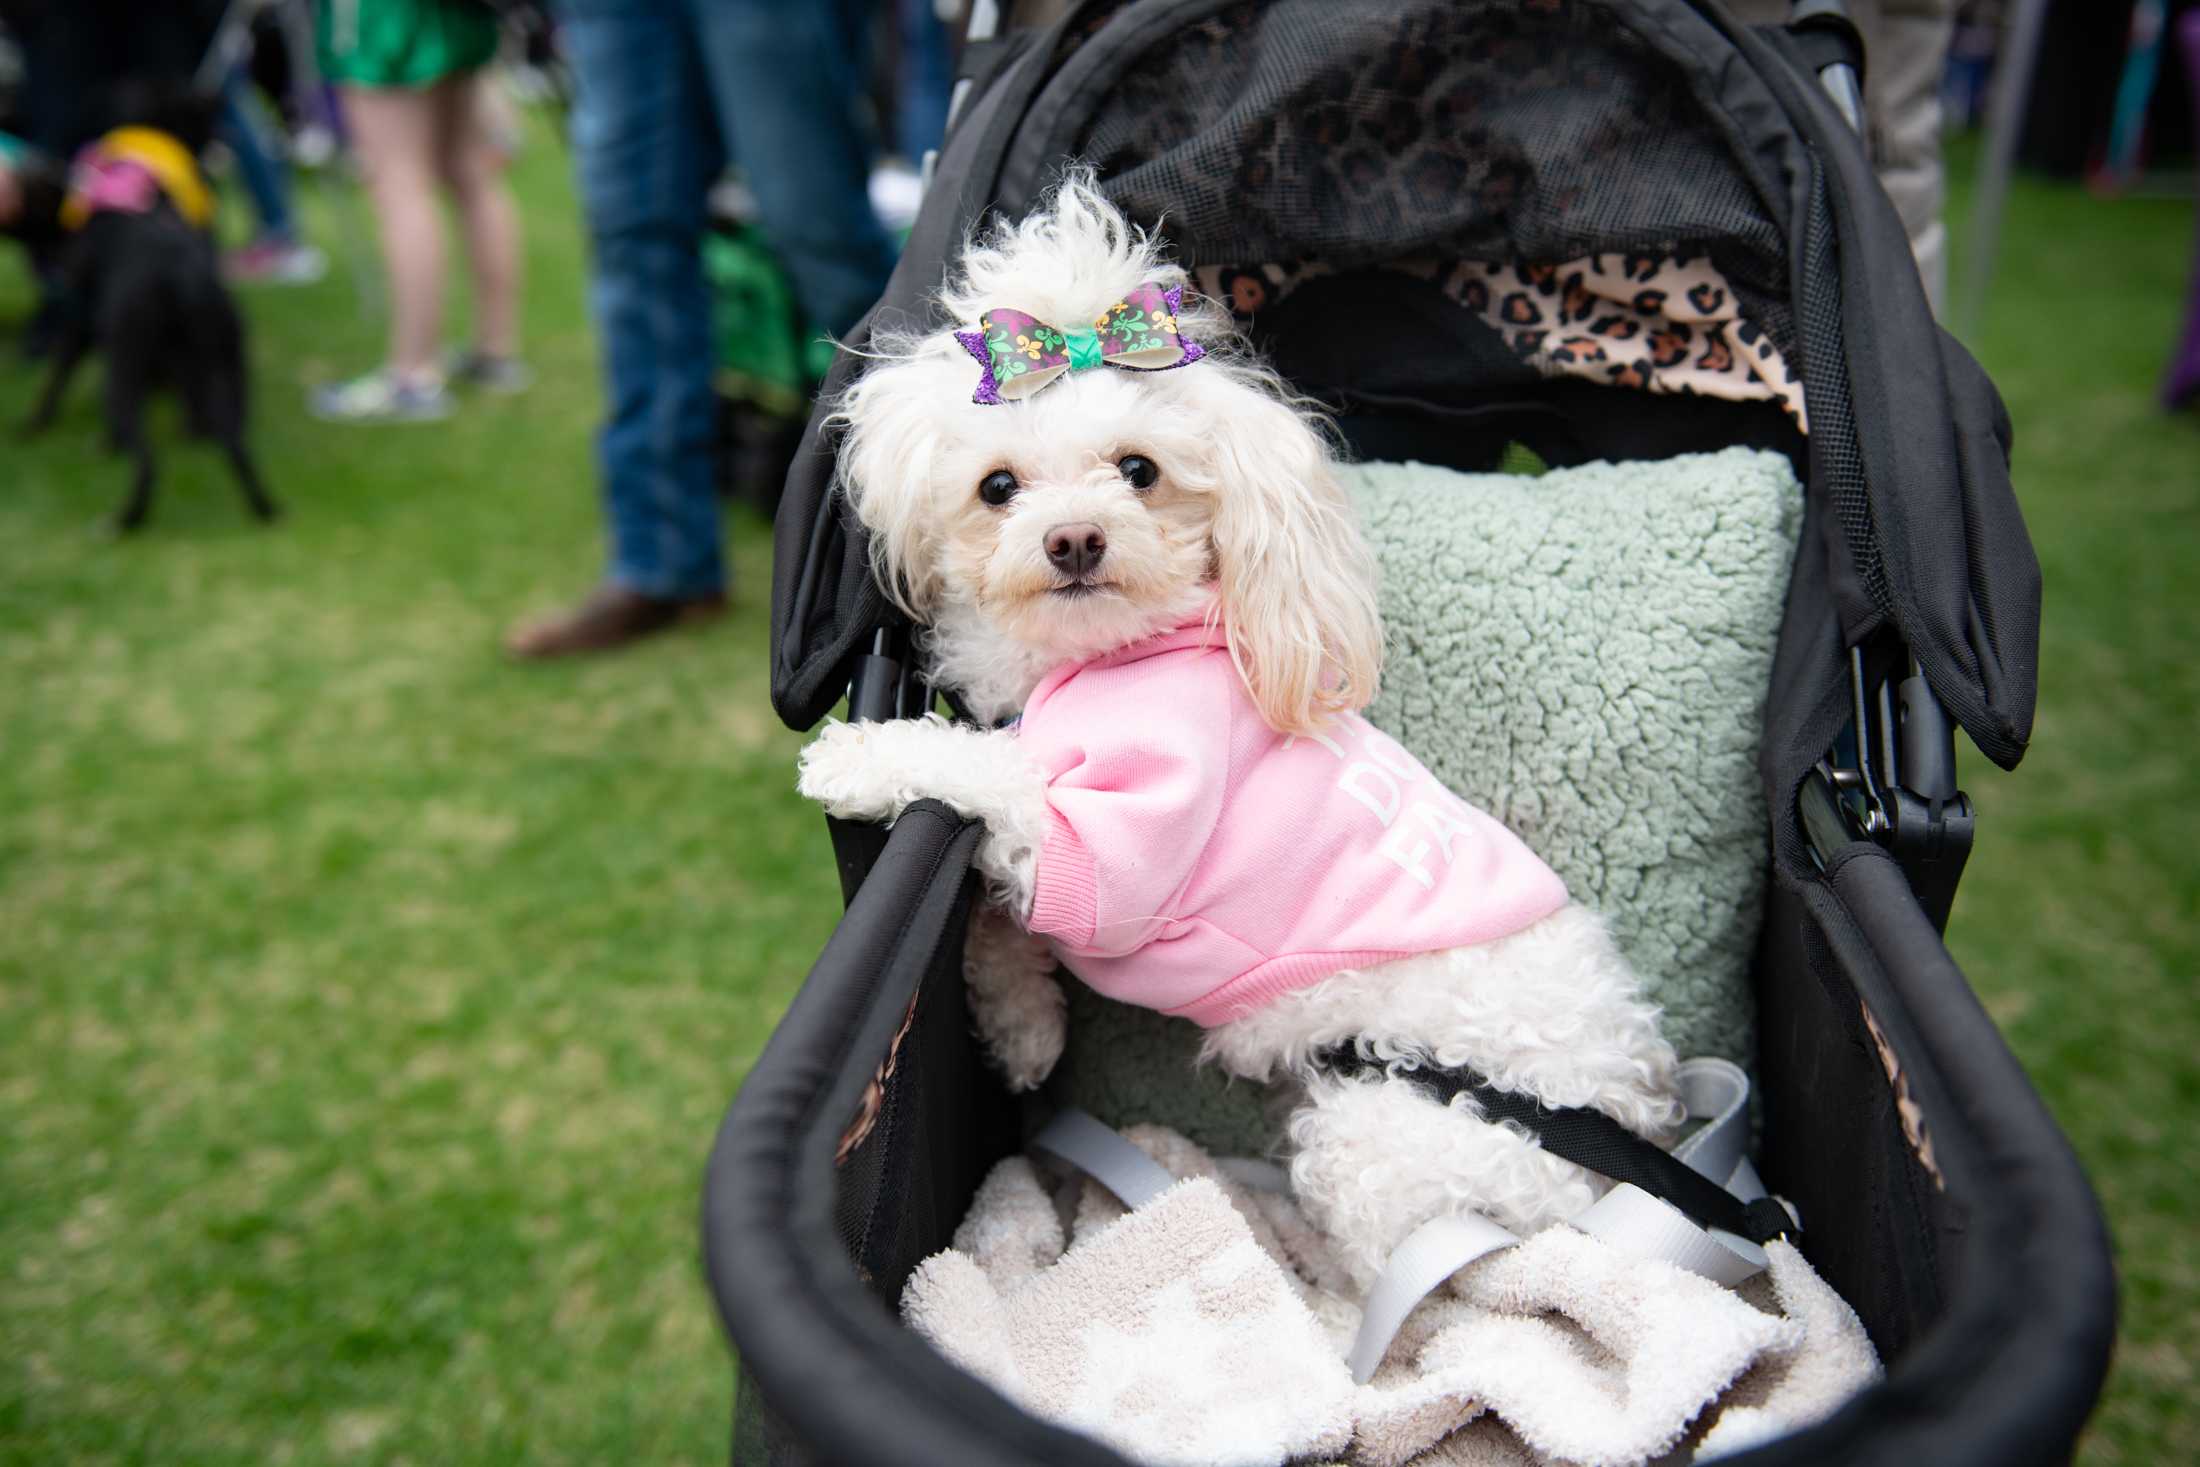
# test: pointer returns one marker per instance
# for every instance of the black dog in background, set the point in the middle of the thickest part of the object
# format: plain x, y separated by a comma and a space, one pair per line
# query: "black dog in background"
143, 287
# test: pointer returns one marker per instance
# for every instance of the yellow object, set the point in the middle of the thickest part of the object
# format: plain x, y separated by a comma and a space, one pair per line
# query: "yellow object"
159, 154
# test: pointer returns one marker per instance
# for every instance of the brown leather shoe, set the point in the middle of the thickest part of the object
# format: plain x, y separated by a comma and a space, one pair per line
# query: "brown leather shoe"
612, 616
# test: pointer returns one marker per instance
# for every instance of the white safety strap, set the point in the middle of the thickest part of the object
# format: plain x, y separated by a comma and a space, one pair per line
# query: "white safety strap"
1626, 1217
1100, 1152
1431, 1253
1718, 1090
1644, 1226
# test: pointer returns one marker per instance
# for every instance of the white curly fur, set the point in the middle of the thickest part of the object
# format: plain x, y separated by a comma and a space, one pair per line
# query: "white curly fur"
1020, 1011
874, 771
1247, 509
1247, 498
1553, 1010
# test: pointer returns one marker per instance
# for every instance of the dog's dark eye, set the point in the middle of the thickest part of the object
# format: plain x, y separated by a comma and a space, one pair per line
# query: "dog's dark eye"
1139, 470
997, 488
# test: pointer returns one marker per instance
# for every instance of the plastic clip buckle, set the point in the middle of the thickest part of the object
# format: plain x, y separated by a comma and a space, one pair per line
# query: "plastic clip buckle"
1891, 779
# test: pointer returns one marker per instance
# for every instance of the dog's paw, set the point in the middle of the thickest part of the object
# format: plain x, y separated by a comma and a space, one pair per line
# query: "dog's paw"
1026, 1033
1019, 1009
841, 770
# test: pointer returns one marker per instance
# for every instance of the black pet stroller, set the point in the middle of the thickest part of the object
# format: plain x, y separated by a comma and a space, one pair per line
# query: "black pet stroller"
1938, 1195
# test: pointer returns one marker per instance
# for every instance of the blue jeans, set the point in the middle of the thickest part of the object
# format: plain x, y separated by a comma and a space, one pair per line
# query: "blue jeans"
669, 90
264, 175
926, 80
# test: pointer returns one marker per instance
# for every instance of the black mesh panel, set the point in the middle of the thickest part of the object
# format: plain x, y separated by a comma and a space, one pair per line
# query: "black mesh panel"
1833, 1144
1838, 461
943, 1121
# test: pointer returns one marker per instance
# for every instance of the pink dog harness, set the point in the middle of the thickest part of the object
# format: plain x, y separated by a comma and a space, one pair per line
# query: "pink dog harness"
1202, 864
129, 171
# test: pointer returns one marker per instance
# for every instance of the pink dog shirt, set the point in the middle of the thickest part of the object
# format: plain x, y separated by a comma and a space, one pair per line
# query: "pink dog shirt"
1202, 864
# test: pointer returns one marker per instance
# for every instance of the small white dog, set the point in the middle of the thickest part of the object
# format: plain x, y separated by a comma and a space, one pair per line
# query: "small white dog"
1160, 573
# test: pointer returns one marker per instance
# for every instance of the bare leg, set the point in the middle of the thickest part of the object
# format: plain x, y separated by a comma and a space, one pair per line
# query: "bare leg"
395, 133
470, 159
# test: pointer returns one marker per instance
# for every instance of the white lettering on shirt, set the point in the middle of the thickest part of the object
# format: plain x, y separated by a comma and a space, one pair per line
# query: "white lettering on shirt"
1408, 858
1389, 782
1362, 780
1445, 822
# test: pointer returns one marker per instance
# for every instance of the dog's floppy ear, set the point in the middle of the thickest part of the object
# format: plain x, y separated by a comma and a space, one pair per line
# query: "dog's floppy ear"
1297, 580
890, 443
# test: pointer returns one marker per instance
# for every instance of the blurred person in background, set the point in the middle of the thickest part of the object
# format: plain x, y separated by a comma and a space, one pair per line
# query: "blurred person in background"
670, 91
77, 52
411, 75
275, 255
1906, 55
925, 80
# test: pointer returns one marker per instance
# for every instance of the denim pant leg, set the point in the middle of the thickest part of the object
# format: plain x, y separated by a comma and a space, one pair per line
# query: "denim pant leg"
789, 85
262, 172
926, 80
647, 152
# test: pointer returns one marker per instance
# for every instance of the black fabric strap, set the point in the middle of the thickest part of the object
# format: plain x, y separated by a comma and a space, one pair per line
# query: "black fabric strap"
1592, 1139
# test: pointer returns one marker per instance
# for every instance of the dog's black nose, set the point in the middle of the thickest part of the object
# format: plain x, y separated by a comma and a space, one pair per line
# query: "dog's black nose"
1076, 549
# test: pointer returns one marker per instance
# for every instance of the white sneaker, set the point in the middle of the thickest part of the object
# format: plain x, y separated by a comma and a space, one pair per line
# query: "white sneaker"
379, 397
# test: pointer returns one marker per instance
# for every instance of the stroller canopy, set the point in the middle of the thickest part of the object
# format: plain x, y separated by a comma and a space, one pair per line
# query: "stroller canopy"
1383, 143
1373, 189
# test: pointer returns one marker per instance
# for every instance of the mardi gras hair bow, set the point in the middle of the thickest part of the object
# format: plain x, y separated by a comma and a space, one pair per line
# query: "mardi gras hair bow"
1021, 354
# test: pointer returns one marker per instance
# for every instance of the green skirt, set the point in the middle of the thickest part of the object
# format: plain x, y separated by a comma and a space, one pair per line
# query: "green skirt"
404, 43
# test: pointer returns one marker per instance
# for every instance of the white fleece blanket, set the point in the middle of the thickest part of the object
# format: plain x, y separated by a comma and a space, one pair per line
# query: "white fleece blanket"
1211, 1326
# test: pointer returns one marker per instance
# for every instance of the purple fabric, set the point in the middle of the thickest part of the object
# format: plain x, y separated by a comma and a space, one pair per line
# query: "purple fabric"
989, 392
1009, 344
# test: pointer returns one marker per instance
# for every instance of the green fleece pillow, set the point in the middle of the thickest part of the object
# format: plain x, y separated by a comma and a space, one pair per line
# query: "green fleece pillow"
1585, 655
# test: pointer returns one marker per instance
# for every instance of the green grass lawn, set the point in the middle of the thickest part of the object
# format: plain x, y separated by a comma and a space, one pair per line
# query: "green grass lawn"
2079, 919
367, 1003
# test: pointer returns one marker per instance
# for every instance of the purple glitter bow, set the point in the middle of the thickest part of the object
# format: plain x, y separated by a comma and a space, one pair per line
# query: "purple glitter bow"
1021, 353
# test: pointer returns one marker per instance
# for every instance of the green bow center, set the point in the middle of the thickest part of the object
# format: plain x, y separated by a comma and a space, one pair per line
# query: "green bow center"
1084, 348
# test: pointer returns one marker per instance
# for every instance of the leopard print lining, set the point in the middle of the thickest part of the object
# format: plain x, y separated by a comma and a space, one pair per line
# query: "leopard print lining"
1905, 1105
1658, 323
873, 1102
